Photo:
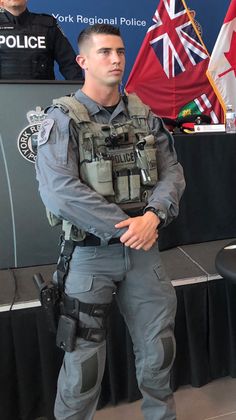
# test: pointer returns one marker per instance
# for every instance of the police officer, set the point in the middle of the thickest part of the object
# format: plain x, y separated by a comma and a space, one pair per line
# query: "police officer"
107, 165
30, 43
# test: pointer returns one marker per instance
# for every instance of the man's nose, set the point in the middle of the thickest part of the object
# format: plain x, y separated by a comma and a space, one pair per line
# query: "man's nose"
115, 57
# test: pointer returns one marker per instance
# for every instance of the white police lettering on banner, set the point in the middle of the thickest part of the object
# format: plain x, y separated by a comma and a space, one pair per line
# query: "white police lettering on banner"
132, 22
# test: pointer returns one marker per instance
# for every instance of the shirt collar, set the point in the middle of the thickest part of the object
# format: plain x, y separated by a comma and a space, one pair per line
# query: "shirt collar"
20, 20
94, 108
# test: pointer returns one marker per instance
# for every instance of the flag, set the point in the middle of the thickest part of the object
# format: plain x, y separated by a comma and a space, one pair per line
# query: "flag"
222, 66
170, 69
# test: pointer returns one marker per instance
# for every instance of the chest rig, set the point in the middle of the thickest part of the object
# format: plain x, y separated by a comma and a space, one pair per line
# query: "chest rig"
28, 45
117, 160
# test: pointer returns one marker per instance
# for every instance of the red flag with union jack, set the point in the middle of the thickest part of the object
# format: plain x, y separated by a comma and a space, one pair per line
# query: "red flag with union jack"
170, 69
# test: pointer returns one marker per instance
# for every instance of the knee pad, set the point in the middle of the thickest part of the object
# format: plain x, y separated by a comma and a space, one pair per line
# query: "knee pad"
79, 381
89, 370
159, 356
167, 340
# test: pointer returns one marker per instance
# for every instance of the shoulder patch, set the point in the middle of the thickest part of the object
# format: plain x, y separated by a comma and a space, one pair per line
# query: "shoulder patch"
45, 131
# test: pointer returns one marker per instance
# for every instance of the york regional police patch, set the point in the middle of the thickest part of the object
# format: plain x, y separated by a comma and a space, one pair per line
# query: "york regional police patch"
28, 138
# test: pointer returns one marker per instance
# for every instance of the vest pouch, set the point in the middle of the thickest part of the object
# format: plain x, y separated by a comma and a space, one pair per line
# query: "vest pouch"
152, 165
52, 219
121, 186
98, 175
134, 184
72, 232
146, 159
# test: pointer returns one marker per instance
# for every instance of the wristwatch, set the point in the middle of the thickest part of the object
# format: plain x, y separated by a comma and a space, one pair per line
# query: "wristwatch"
159, 213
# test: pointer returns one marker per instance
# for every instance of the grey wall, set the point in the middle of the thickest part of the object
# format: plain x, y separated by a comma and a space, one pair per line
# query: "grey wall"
26, 239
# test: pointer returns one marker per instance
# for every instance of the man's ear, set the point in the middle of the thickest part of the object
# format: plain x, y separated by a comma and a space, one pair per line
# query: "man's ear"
81, 60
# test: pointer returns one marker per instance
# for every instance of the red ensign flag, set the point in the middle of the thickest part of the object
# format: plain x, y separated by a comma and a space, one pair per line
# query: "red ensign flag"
170, 69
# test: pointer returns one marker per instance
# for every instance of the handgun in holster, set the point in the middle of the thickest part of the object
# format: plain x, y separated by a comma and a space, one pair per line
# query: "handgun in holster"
49, 296
64, 326
62, 313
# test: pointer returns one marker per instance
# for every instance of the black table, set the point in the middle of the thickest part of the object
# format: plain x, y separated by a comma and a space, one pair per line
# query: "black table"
208, 206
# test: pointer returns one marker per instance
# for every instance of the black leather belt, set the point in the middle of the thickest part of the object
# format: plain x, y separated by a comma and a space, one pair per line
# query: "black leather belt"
92, 240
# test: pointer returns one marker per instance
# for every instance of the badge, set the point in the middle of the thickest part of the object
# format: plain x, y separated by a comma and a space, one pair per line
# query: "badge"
45, 131
28, 138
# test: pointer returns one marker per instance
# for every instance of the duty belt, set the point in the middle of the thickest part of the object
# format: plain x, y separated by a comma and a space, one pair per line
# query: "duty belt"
92, 240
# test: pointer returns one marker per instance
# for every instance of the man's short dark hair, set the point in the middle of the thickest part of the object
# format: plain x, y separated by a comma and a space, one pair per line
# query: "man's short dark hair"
98, 28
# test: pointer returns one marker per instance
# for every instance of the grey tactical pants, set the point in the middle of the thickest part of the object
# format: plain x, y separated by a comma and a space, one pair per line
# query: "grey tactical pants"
147, 301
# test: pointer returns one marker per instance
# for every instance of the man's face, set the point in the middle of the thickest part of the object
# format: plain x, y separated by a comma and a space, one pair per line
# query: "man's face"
12, 5
103, 58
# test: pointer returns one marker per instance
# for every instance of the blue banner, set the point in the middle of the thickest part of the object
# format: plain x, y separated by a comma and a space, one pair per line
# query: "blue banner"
131, 16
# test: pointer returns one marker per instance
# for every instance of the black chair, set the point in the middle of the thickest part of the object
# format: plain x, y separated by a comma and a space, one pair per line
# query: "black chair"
226, 261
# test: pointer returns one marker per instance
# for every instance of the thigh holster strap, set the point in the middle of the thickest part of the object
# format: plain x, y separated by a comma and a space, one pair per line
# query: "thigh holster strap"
96, 335
73, 306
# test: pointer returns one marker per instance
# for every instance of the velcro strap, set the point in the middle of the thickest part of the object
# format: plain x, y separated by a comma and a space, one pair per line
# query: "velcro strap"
92, 334
73, 306
99, 310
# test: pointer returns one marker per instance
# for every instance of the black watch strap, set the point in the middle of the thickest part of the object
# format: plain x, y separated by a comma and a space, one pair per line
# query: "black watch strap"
159, 213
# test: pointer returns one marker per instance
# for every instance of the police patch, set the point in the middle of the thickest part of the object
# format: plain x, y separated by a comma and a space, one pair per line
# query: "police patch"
45, 131
28, 138
27, 142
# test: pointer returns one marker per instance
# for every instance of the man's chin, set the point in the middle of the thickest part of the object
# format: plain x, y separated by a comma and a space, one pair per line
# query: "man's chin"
113, 81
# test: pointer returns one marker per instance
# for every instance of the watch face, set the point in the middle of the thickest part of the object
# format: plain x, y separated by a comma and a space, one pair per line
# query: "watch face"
161, 215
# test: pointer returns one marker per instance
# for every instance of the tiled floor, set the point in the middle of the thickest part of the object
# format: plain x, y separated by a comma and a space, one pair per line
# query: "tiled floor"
214, 401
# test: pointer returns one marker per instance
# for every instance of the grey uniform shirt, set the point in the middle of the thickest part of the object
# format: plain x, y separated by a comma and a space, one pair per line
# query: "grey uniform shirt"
66, 196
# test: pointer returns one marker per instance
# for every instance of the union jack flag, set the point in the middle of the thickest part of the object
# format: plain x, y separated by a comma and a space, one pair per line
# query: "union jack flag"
170, 68
174, 39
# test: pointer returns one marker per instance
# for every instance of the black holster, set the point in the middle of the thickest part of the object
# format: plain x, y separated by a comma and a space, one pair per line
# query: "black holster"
62, 311
49, 296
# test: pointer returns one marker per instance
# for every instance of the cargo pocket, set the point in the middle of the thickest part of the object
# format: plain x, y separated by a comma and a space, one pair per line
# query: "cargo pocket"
161, 272
78, 283
166, 291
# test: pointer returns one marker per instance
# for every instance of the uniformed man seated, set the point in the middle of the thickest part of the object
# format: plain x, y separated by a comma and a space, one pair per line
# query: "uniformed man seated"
30, 43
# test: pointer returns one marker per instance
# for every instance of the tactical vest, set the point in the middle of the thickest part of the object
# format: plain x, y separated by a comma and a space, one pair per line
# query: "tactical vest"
117, 160
25, 52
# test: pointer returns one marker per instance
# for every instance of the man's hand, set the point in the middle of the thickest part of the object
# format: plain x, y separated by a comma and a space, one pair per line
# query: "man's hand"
142, 231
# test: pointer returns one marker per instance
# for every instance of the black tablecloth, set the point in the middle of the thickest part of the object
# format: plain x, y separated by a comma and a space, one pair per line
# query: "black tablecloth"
208, 206
29, 360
